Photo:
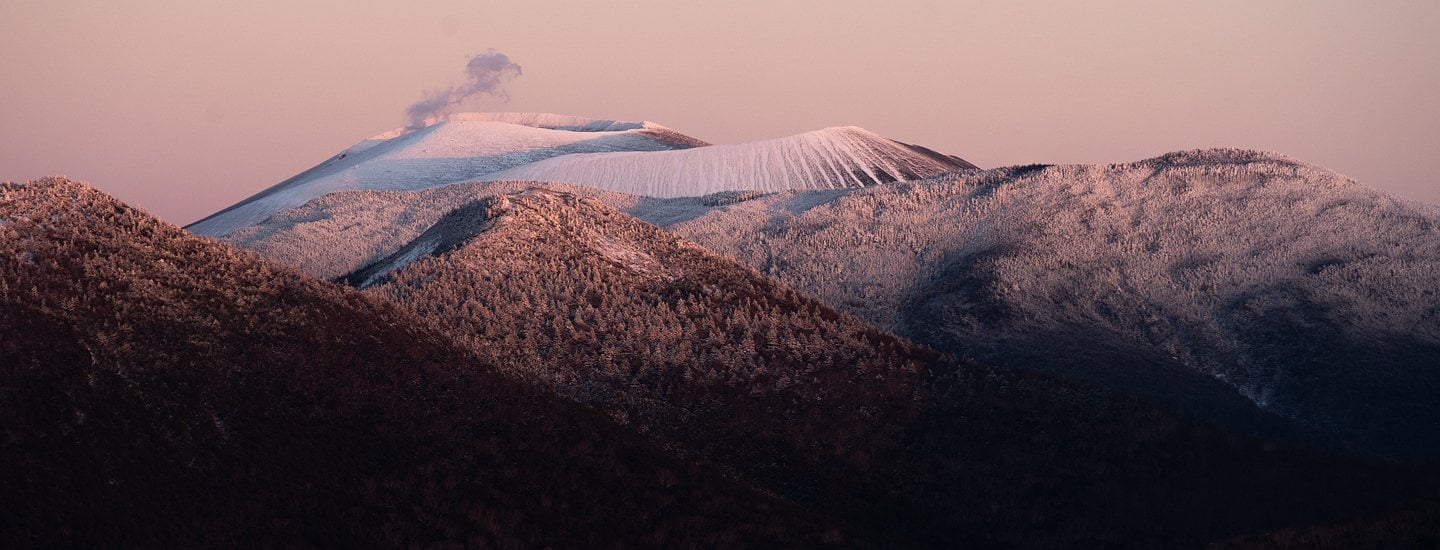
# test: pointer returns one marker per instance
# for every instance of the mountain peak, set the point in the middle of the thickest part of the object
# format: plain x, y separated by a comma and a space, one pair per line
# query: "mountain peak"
458, 148
539, 210
1221, 155
830, 158
546, 121
53, 194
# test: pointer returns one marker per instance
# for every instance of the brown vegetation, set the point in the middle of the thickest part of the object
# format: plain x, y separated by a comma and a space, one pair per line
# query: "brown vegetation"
163, 390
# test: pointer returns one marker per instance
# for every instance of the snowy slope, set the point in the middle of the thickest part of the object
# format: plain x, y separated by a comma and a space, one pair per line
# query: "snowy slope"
550, 121
342, 232
832, 158
456, 148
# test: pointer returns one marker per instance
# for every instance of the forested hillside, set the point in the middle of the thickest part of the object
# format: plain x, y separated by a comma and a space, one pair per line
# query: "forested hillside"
162, 390
1207, 280
1241, 288
741, 371
447, 150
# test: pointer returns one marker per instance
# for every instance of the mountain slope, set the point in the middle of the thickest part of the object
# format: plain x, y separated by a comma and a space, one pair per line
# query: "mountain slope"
1295, 288
833, 158
618, 315
448, 150
741, 371
342, 232
164, 390
1214, 282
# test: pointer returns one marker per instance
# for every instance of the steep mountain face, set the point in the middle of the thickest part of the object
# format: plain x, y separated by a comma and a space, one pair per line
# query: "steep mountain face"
833, 158
164, 390
740, 371
453, 149
1291, 286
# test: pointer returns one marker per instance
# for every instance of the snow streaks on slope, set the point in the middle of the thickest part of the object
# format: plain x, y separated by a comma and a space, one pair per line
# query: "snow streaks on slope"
831, 158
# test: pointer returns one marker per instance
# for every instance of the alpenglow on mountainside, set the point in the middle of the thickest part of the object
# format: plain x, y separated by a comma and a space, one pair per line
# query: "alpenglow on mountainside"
641, 158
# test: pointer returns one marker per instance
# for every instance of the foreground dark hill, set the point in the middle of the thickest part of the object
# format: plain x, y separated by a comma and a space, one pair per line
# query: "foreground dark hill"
1212, 281
164, 390
739, 370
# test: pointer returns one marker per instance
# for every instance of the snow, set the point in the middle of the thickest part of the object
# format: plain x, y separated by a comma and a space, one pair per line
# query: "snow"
1293, 286
832, 158
549, 121
639, 158
458, 148
414, 251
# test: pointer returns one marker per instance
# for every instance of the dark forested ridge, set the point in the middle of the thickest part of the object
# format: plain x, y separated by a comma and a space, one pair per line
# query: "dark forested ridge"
159, 389
740, 370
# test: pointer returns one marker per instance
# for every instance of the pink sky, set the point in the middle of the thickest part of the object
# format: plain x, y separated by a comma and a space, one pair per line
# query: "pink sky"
183, 108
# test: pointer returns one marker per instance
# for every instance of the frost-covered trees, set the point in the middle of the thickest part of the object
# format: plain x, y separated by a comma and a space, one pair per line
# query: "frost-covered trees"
1306, 293
795, 397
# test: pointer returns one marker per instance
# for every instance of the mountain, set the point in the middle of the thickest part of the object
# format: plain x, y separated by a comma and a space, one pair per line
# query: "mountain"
1195, 279
339, 233
528, 146
689, 347
447, 150
737, 370
832, 158
1241, 288
164, 390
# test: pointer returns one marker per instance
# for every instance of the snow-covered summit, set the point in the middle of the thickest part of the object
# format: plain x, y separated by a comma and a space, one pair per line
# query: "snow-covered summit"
832, 158
641, 158
549, 121
456, 148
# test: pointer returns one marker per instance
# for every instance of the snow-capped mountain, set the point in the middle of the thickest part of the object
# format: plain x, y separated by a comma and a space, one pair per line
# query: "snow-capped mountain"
832, 158
453, 149
633, 157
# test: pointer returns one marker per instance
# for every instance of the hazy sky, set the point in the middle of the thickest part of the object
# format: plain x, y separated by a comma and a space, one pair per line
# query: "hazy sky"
184, 107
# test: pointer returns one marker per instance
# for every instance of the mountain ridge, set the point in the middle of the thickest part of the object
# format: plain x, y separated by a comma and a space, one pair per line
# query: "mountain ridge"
897, 258
1227, 262
739, 370
162, 389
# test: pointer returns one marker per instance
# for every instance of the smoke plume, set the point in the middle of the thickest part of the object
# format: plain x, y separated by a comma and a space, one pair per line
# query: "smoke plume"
486, 73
